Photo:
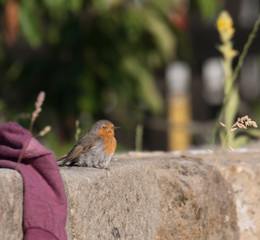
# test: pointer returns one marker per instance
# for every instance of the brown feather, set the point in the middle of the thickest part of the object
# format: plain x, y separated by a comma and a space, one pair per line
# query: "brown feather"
62, 157
84, 143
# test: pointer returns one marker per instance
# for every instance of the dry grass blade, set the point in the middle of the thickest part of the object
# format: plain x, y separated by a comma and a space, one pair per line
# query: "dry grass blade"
78, 130
231, 148
222, 124
44, 131
38, 109
243, 123
35, 114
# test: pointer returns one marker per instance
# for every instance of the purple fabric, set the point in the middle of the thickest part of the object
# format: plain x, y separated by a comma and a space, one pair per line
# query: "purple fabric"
44, 205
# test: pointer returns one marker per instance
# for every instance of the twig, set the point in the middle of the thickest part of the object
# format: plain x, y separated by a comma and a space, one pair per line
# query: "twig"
242, 56
35, 114
78, 130
44, 131
38, 108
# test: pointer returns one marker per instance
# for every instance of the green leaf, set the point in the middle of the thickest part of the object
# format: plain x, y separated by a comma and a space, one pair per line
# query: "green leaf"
104, 5
254, 132
240, 141
58, 9
29, 23
14, 70
222, 136
162, 34
149, 92
75, 5
161, 5
53, 34
208, 8
227, 137
145, 84
231, 108
51, 5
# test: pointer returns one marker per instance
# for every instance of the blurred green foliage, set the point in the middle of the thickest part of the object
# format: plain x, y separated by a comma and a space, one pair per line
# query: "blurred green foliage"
93, 58
208, 9
232, 98
96, 57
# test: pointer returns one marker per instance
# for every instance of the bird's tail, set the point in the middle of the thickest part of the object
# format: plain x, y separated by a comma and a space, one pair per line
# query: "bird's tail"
61, 159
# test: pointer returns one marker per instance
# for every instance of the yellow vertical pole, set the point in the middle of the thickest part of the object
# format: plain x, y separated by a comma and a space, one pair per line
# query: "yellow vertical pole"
179, 106
179, 118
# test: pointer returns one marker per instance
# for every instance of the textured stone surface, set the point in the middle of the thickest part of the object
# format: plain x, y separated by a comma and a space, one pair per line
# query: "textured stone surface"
118, 204
243, 171
11, 202
194, 206
147, 196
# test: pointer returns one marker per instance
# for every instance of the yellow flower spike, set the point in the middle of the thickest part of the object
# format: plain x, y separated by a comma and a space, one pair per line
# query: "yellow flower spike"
232, 53
227, 51
225, 26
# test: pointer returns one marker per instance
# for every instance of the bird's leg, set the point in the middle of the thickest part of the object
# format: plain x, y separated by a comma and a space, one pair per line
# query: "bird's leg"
105, 168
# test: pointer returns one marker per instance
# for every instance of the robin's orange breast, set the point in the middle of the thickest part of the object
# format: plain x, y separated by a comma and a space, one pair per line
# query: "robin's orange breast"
110, 144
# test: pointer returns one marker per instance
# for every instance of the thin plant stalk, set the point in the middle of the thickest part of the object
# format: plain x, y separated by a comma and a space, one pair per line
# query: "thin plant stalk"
208, 182
77, 131
139, 138
238, 67
38, 109
242, 56
35, 114
241, 123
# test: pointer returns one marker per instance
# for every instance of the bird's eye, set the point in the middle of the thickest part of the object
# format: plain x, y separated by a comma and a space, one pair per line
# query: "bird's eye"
104, 127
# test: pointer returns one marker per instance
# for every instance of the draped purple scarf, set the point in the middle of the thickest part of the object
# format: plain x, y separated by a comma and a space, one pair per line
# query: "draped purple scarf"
44, 204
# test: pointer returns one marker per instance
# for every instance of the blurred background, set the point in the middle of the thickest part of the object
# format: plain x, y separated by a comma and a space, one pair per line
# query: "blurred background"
149, 66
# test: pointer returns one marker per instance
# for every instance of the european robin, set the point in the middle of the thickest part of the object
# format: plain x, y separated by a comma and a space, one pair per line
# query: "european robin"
93, 149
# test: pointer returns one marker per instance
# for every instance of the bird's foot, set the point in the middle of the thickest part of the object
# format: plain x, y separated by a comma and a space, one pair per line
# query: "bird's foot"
105, 168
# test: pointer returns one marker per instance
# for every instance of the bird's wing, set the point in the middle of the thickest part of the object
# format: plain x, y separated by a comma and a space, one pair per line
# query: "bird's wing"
84, 143
62, 157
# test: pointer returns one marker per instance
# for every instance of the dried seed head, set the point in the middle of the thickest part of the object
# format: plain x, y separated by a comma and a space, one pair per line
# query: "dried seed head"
231, 148
254, 124
45, 131
222, 124
38, 105
38, 108
244, 122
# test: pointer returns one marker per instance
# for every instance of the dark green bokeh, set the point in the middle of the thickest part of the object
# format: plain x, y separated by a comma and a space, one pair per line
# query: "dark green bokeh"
93, 59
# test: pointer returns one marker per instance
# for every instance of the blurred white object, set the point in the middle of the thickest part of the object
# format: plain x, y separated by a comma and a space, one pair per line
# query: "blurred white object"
250, 82
248, 13
213, 81
178, 78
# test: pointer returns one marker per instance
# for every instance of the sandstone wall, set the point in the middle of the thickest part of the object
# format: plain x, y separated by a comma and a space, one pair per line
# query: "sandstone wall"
150, 196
